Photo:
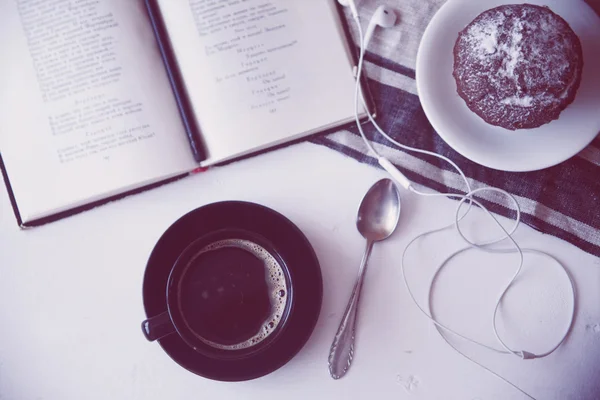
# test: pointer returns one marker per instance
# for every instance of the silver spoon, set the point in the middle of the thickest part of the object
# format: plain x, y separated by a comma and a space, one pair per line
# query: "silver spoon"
377, 219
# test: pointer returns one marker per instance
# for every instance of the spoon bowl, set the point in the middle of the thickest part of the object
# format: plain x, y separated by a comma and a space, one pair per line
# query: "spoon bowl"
379, 211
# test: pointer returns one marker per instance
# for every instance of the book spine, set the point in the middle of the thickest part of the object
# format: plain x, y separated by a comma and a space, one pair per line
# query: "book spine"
11, 195
175, 78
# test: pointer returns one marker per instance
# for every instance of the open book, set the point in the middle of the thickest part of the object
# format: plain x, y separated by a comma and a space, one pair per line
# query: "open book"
101, 98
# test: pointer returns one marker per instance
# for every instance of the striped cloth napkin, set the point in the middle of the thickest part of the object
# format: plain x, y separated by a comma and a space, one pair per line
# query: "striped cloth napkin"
572, 214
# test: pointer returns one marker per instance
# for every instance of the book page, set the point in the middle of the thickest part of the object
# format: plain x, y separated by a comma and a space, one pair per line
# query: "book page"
261, 72
86, 109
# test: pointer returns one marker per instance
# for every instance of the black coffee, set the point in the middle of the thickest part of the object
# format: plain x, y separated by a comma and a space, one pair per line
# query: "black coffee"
233, 294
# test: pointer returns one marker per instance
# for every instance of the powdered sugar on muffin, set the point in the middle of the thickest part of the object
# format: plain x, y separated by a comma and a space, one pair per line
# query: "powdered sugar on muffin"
518, 66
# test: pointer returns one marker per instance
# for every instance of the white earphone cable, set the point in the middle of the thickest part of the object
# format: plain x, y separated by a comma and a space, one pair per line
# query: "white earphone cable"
485, 246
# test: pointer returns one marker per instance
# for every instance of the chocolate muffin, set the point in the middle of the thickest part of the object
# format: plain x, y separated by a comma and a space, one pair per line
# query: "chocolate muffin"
518, 66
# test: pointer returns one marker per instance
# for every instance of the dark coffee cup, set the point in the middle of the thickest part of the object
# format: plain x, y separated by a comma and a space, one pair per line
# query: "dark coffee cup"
229, 295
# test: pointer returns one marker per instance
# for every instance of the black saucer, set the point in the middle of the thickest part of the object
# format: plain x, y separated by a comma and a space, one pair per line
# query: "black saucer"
289, 242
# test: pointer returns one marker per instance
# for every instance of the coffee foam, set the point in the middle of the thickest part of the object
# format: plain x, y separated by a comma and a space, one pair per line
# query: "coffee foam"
276, 283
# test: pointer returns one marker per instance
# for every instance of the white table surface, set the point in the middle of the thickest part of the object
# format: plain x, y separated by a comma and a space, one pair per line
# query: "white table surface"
71, 304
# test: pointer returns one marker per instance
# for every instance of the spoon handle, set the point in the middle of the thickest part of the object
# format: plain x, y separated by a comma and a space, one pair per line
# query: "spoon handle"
342, 348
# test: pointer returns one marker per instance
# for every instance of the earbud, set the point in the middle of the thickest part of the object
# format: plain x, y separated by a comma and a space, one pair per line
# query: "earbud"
352, 5
383, 17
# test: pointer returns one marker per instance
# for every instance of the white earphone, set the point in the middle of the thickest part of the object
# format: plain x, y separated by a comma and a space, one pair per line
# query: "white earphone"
384, 17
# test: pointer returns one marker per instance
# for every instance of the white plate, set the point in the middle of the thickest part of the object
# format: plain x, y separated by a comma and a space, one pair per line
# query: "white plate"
495, 147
